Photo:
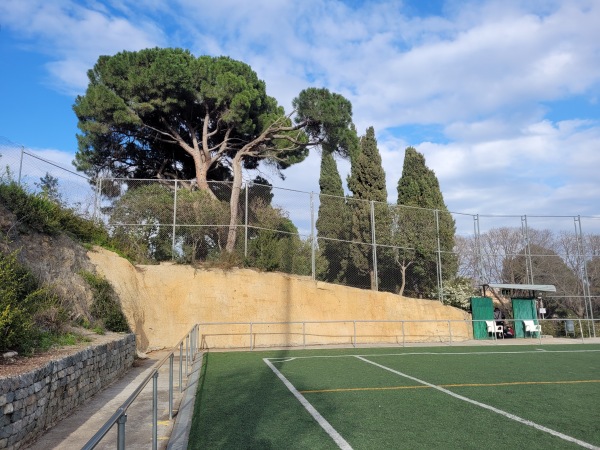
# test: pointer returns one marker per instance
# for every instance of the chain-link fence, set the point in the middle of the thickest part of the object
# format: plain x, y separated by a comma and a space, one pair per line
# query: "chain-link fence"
412, 251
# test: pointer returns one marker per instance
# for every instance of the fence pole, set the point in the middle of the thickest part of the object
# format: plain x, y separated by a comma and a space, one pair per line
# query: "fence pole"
354, 338
375, 274
587, 296
528, 262
476, 231
174, 221
21, 165
439, 256
246, 221
313, 246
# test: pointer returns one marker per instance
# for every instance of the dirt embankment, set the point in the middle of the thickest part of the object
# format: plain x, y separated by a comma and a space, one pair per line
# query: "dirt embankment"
164, 301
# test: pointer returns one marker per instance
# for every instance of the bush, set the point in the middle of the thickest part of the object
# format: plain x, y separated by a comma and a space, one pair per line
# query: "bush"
41, 213
105, 307
26, 309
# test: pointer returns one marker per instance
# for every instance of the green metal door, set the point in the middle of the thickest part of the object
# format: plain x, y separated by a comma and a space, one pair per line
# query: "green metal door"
482, 308
523, 309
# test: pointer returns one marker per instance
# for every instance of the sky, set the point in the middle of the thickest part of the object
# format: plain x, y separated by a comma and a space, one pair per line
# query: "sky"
500, 96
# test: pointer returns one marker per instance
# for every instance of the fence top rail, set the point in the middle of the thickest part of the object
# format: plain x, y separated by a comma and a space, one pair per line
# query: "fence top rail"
300, 322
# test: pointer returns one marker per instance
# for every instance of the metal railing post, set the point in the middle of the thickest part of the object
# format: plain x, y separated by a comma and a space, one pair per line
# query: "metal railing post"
450, 330
304, 334
171, 358
121, 432
181, 366
155, 411
403, 335
354, 339
187, 355
251, 340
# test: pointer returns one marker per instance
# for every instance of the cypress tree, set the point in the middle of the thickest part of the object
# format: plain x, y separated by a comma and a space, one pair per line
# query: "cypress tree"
332, 223
367, 183
418, 230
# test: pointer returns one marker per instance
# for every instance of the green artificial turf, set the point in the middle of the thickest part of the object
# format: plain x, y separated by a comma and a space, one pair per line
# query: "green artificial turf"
241, 403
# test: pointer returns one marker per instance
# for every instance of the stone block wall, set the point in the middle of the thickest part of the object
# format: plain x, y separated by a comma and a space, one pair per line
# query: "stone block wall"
35, 401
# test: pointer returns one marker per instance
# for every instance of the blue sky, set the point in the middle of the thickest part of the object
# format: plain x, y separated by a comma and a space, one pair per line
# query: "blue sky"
500, 96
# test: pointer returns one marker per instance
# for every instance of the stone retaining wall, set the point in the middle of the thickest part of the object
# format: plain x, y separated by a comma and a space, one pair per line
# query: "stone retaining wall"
35, 401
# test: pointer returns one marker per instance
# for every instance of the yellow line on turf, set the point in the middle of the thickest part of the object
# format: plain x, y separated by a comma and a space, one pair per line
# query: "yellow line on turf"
394, 388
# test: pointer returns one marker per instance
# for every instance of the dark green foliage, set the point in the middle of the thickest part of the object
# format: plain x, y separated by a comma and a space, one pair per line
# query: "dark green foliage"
328, 119
416, 232
333, 223
145, 113
149, 206
26, 309
274, 245
198, 208
49, 187
105, 306
40, 213
367, 183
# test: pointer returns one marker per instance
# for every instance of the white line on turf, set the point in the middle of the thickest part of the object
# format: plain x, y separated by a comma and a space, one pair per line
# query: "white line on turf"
488, 407
338, 439
277, 360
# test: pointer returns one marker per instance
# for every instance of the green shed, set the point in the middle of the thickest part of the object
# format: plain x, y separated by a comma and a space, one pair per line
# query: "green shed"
482, 308
524, 302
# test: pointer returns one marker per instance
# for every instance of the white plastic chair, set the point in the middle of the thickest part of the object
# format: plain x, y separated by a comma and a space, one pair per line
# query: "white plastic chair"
531, 327
493, 328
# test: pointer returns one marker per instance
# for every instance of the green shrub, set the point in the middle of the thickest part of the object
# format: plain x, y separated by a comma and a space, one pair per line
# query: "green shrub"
26, 309
105, 306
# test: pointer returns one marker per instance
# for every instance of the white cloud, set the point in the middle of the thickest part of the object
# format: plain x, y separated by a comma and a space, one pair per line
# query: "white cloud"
486, 73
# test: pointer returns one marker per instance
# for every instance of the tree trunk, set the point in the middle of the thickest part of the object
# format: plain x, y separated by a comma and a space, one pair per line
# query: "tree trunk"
234, 203
202, 167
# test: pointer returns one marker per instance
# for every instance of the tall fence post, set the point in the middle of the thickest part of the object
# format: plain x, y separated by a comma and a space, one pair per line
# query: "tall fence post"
21, 165
174, 222
582, 262
246, 221
440, 286
478, 256
528, 262
313, 261
374, 241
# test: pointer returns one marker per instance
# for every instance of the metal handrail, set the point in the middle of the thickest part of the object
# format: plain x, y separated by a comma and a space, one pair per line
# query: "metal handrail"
120, 415
252, 327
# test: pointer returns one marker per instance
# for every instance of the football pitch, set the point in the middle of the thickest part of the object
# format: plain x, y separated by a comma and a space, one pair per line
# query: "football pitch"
534, 397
